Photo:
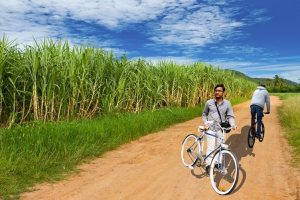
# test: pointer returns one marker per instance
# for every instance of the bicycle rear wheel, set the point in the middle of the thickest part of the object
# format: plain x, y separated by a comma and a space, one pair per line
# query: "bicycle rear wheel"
190, 150
251, 137
224, 172
262, 132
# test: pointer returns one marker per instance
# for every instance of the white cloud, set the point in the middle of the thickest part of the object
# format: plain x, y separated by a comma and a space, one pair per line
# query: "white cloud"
277, 67
229, 64
208, 24
109, 13
177, 59
17, 21
181, 22
292, 75
257, 16
238, 49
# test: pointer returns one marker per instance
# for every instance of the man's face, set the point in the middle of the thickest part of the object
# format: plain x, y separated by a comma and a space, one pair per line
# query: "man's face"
219, 92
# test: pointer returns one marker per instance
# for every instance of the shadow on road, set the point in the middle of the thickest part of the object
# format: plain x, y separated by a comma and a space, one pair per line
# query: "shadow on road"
239, 145
199, 173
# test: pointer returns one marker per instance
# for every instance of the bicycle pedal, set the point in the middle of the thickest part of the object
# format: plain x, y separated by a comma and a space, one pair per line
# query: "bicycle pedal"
225, 146
191, 167
198, 163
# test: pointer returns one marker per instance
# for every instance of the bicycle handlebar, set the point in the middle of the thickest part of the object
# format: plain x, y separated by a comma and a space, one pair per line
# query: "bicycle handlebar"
216, 122
227, 129
203, 128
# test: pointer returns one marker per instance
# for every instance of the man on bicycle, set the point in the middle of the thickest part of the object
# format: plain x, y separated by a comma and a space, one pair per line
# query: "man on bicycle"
260, 97
220, 110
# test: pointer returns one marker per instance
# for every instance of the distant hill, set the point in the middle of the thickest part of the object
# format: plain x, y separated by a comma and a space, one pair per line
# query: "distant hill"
262, 80
265, 80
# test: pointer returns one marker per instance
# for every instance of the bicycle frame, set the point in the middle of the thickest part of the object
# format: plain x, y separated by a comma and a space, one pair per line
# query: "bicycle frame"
217, 149
253, 126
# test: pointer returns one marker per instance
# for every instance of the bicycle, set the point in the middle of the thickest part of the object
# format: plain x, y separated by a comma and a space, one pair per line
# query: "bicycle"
224, 167
252, 133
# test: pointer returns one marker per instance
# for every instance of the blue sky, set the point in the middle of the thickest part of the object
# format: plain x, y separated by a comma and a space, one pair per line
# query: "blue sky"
260, 38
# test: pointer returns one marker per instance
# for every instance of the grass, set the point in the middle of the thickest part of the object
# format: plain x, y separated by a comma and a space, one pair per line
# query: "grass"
285, 96
44, 152
238, 100
290, 120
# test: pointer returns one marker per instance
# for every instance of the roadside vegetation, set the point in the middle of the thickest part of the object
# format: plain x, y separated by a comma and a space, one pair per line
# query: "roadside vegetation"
290, 119
45, 151
51, 81
280, 85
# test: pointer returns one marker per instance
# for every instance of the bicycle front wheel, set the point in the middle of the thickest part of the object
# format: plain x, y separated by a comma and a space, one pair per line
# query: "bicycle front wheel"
190, 150
224, 172
251, 137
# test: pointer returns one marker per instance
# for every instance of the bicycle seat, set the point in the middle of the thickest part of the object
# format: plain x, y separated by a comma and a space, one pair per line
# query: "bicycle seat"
225, 146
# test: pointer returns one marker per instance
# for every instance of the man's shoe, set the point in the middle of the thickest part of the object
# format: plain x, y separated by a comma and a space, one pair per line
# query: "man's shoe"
207, 169
218, 165
258, 135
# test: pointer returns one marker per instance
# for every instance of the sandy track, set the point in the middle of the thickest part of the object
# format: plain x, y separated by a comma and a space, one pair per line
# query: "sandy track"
150, 168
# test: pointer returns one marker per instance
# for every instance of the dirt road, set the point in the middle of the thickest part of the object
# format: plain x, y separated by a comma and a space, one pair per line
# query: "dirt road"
151, 168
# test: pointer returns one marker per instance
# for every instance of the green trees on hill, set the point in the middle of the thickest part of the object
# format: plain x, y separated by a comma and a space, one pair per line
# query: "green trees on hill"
278, 84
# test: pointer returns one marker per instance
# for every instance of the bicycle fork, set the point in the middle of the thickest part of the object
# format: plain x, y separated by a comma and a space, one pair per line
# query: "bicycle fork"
221, 160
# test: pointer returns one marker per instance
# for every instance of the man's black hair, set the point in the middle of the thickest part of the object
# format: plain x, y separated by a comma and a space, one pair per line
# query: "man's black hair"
220, 85
263, 85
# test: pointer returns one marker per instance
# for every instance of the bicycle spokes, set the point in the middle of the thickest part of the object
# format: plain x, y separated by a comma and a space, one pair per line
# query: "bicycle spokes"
190, 150
224, 172
251, 137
